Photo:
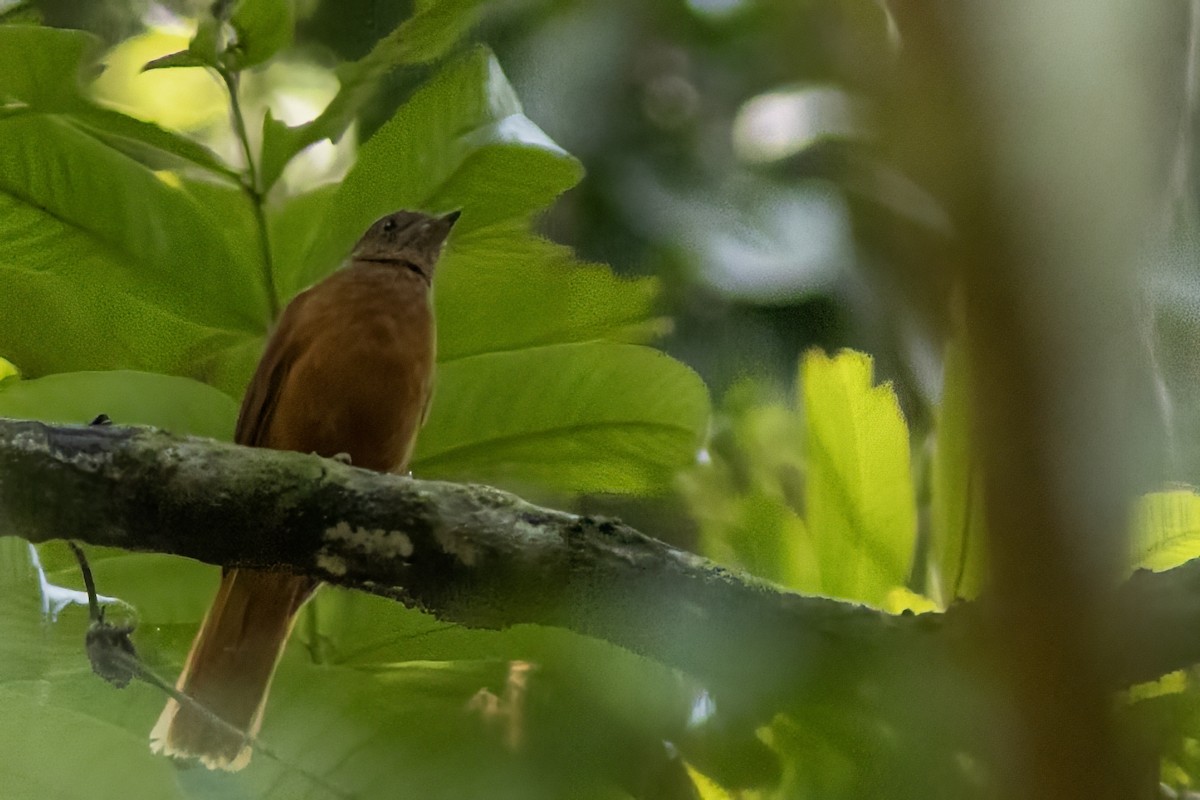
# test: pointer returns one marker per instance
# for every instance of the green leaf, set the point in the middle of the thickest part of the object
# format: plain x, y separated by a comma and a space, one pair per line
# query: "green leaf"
426, 36
106, 760
22, 12
107, 264
180, 405
590, 417
490, 278
861, 510
41, 66
1166, 530
747, 496
264, 27
429, 34
52, 700
956, 492
206, 44
149, 144
181, 58
291, 225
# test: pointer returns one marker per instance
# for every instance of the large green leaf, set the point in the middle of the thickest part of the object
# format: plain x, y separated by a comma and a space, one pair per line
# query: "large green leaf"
177, 404
290, 226
41, 66
109, 256
169, 245
107, 264
435, 27
588, 417
956, 493
499, 288
149, 144
861, 509
68, 302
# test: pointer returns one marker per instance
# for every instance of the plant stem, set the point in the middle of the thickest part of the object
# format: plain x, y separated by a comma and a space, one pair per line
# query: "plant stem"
251, 185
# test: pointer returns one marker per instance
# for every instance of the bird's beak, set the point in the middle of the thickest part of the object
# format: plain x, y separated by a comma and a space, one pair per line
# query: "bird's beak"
451, 218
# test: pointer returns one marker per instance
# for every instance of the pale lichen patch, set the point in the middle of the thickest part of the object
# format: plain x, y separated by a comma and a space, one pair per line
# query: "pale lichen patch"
458, 547
89, 462
333, 564
379, 543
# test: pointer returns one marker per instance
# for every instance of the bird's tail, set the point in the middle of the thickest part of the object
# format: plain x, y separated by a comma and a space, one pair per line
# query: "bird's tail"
228, 671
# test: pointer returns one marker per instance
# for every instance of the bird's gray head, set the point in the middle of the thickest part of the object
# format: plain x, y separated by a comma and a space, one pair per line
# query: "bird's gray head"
408, 239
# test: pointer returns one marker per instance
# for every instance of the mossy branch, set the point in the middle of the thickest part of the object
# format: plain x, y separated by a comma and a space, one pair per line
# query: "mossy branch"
482, 557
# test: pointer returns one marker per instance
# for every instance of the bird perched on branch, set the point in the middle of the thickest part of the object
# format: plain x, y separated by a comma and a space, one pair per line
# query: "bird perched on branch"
348, 370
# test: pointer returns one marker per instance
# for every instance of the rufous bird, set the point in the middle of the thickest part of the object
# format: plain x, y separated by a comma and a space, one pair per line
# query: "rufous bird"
348, 370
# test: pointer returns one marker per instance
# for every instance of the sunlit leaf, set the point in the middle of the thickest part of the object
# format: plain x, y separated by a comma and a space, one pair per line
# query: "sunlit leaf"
1166, 530
136, 80
1171, 683
861, 510
107, 263
707, 788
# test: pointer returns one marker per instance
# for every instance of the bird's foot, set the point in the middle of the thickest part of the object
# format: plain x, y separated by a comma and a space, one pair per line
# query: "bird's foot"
343, 458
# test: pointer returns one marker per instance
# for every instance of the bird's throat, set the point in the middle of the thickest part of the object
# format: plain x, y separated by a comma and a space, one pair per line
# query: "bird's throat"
398, 262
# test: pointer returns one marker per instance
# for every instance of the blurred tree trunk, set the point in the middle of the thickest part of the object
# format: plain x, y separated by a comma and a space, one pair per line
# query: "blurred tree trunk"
1032, 123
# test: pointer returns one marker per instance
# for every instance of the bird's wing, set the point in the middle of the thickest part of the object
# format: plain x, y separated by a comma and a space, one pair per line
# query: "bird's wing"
258, 405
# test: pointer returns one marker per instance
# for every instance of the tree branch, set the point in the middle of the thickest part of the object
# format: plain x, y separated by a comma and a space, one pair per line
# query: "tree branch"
485, 558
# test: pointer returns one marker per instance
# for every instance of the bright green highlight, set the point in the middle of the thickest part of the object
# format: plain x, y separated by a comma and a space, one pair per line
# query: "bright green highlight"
861, 512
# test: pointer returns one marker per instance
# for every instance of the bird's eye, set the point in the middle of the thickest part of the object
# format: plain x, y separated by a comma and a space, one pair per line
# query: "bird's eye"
389, 225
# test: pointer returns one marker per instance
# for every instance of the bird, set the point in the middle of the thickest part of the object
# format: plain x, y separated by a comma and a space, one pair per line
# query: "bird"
347, 372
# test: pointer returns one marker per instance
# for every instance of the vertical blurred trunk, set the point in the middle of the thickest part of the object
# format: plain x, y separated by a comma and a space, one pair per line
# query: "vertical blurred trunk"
1032, 122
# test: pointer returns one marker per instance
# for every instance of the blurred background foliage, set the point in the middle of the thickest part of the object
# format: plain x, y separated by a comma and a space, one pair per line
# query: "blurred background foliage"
731, 155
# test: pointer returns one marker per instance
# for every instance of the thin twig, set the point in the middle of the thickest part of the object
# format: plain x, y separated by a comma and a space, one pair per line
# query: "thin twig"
95, 612
251, 185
